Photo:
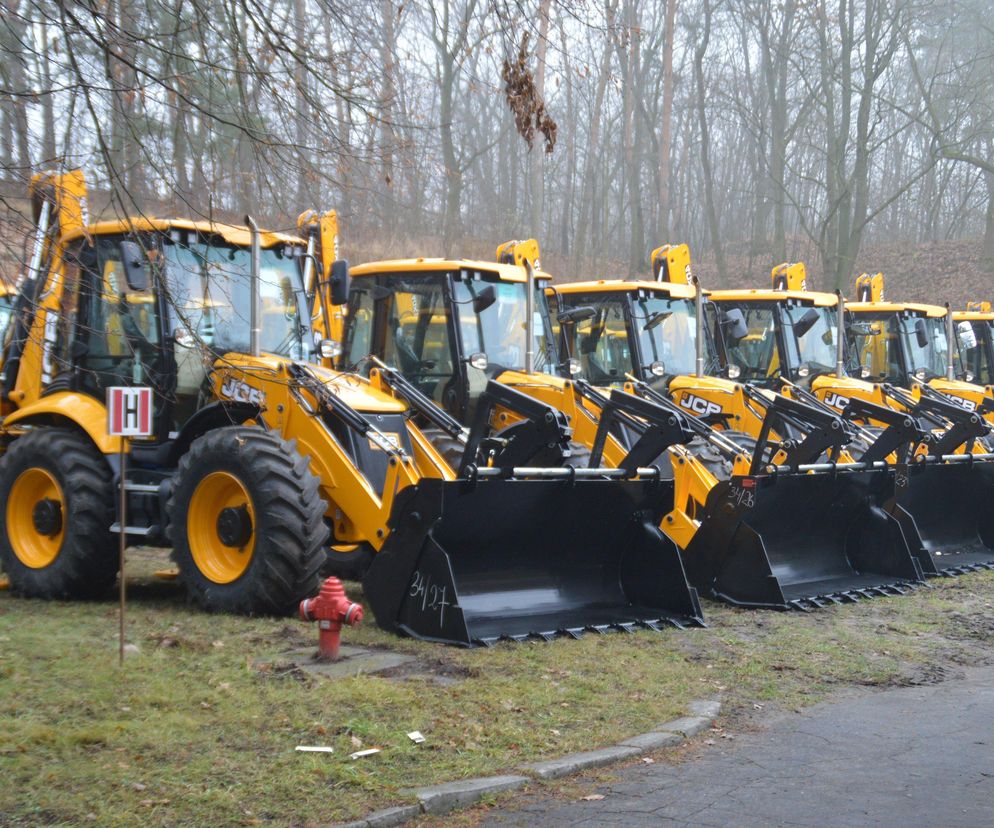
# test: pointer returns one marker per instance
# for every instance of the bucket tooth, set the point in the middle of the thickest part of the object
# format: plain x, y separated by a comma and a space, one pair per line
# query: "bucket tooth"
575, 633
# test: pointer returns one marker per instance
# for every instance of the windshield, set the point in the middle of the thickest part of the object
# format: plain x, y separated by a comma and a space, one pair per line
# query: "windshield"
809, 333
210, 294
925, 345
600, 342
6, 309
667, 332
874, 339
498, 330
755, 354
973, 342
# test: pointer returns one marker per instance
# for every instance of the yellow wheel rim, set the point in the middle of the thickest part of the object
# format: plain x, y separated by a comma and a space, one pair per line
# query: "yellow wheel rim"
36, 518
220, 527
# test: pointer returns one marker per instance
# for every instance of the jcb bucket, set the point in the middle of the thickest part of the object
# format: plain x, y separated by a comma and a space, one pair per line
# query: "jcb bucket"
797, 541
474, 562
947, 516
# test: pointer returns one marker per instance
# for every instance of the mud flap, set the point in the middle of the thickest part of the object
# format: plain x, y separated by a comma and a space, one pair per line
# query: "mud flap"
799, 541
472, 563
946, 514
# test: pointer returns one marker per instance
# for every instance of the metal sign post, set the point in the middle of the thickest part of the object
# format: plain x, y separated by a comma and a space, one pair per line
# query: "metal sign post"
129, 414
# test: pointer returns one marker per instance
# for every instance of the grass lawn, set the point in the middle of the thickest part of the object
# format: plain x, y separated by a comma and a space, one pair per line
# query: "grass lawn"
193, 730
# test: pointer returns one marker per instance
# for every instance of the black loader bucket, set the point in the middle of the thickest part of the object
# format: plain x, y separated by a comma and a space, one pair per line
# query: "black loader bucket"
946, 511
798, 541
474, 562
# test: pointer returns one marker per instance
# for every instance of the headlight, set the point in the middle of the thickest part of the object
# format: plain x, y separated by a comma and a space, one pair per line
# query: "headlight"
657, 369
969, 377
803, 371
479, 361
734, 371
573, 366
864, 372
920, 374
330, 349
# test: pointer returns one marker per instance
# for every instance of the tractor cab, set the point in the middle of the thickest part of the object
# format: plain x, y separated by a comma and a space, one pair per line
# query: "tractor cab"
449, 326
787, 332
897, 342
154, 302
611, 329
975, 342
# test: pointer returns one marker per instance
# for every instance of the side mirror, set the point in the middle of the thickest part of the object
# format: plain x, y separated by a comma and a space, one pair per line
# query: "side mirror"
339, 281
577, 314
330, 349
734, 322
806, 322
966, 336
484, 299
921, 334
655, 319
136, 266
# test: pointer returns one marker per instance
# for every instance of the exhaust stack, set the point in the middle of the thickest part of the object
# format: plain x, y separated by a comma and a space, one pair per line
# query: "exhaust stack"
255, 314
950, 344
530, 320
699, 338
840, 334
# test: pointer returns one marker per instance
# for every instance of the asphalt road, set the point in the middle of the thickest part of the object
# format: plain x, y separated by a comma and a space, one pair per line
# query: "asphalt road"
914, 756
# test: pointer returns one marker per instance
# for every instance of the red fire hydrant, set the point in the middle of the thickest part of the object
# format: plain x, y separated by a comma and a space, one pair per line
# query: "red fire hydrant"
330, 608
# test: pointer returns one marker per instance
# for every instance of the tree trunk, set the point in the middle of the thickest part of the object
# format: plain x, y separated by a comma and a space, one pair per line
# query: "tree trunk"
593, 139
665, 127
706, 168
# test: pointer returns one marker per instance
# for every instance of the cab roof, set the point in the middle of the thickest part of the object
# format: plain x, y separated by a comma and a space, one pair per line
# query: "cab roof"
813, 297
504, 272
896, 307
673, 289
973, 316
234, 234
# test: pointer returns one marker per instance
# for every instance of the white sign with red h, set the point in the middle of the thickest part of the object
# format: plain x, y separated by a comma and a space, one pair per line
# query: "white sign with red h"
129, 412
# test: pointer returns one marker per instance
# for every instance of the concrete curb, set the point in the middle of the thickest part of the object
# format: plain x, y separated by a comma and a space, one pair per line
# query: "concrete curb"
440, 799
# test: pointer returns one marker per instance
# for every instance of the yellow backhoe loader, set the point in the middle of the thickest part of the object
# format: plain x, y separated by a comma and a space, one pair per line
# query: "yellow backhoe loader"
260, 458
790, 342
914, 346
454, 329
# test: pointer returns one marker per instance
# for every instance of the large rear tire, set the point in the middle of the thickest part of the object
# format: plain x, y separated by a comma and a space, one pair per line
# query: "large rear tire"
57, 498
449, 447
246, 520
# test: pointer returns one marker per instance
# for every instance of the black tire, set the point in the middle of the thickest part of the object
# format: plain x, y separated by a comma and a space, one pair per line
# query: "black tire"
86, 562
289, 531
449, 447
